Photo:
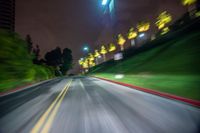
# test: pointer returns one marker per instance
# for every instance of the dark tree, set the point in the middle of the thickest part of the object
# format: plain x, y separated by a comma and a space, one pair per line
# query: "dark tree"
29, 43
54, 57
36, 52
67, 61
61, 61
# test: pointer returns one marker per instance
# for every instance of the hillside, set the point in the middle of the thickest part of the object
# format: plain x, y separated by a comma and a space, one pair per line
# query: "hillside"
173, 67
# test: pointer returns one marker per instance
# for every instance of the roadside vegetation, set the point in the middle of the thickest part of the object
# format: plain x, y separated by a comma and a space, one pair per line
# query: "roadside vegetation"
22, 64
17, 66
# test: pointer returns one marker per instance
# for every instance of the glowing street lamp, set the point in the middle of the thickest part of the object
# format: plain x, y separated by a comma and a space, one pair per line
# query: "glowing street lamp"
104, 2
141, 35
86, 48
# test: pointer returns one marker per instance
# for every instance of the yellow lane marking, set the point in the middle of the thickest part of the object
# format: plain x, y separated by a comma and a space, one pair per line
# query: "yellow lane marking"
42, 119
49, 122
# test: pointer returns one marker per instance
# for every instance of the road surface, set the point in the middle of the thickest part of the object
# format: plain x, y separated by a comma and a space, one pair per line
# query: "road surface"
90, 105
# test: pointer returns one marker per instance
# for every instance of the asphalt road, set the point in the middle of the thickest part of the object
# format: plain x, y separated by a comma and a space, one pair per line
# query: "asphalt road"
89, 105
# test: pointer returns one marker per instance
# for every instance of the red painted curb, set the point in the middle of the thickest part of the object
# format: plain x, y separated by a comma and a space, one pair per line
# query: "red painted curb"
162, 94
14, 90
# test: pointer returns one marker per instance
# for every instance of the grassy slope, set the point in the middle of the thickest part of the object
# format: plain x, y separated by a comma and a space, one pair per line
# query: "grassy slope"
173, 68
16, 66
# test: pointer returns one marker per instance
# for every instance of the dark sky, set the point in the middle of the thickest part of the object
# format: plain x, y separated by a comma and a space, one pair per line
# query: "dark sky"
71, 23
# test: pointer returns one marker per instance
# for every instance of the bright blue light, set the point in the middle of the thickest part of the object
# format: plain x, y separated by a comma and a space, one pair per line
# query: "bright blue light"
86, 48
111, 6
104, 2
141, 35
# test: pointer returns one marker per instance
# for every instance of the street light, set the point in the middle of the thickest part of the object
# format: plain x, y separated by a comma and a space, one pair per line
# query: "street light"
141, 35
104, 2
86, 49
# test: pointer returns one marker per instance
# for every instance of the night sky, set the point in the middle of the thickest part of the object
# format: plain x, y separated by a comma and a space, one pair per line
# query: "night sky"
71, 23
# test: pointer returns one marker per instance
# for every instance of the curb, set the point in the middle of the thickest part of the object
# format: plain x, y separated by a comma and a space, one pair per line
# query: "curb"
15, 90
21, 88
162, 94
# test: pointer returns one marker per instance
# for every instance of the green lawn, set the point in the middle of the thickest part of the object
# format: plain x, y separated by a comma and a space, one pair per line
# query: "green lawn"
173, 68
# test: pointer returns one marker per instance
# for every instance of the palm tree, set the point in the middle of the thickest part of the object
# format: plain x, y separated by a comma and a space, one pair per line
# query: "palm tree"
103, 51
132, 34
90, 56
121, 41
85, 63
81, 61
143, 26
163, 19
188, 2
91, 63
91, 60
165, 30
112, 47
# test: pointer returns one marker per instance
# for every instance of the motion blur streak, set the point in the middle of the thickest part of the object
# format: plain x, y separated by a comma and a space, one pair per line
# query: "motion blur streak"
95, 106
51, 118
45, 115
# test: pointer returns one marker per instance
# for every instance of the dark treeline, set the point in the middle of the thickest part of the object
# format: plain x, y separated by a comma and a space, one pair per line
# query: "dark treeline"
60, 60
